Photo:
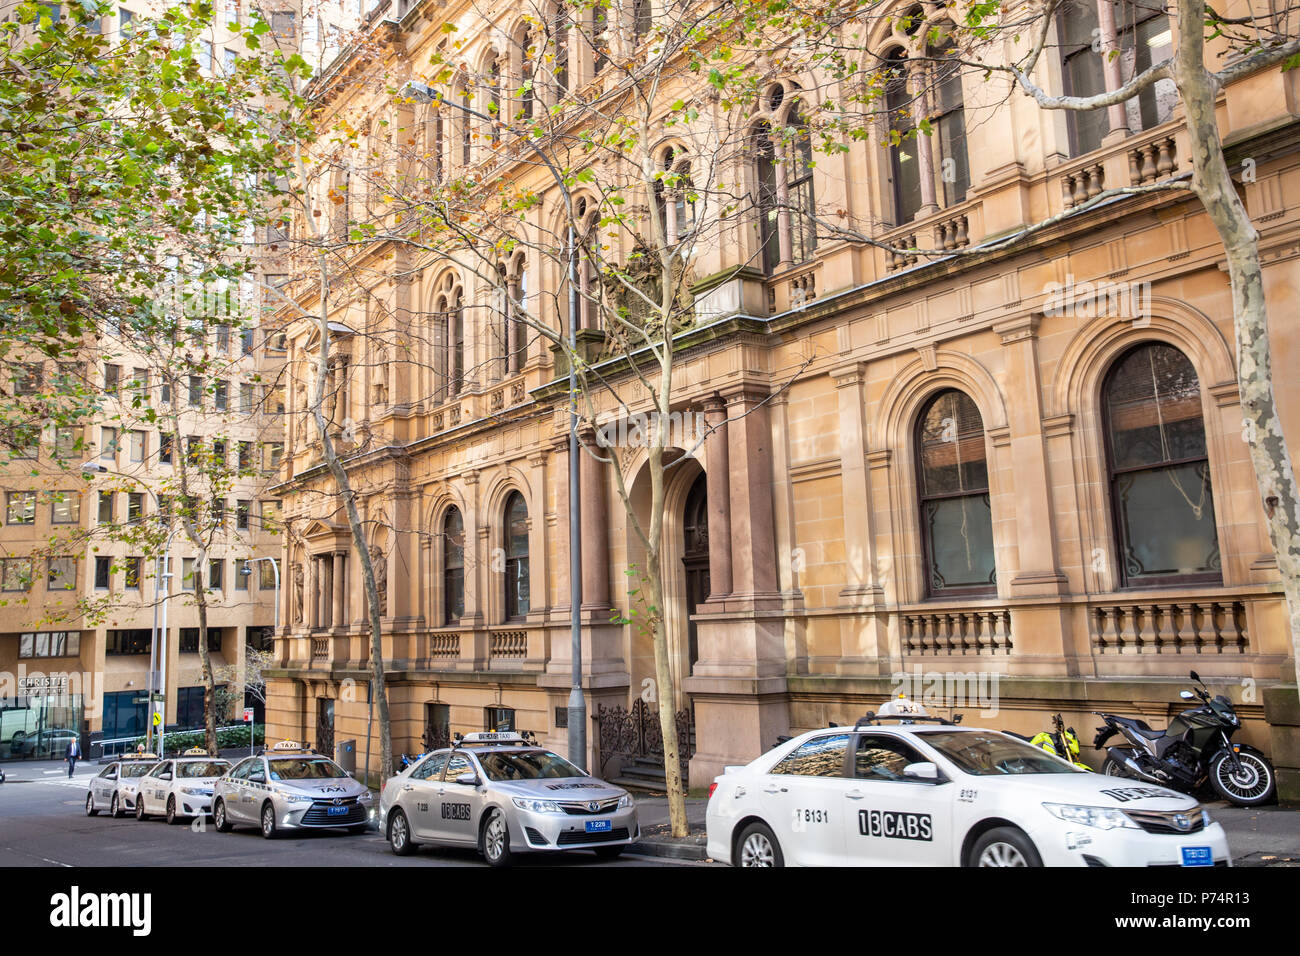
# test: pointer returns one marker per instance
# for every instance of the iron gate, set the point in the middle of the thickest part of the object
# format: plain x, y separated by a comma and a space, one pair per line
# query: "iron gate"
629, 734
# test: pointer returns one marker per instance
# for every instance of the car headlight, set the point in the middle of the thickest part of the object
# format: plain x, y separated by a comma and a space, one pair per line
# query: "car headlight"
625, 801
288, 797
1103, 818
366, 797
197, 791
537, 806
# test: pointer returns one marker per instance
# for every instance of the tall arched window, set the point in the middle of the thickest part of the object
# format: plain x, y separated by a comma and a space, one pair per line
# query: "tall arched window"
589, 290
673, 192
448, 338
903, 163
599, 37
453, 567
1159, 470
783, 173
953, 479
516, 541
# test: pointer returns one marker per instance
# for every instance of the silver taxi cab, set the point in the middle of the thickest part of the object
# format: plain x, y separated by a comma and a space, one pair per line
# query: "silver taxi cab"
289, 787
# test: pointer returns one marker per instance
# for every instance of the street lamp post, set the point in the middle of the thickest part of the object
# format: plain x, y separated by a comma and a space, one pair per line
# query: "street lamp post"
247, 570
577, 708
157, 655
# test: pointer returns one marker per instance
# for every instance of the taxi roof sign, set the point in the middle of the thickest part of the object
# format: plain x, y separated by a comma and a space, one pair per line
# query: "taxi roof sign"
195, 752
491, 737
287, 747
140, 755
904, 711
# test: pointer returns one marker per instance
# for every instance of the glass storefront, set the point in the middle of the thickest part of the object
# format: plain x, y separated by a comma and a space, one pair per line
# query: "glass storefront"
39, 727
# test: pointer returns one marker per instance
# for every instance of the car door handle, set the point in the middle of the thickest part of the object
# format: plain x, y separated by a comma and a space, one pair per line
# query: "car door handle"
408, 787
855, 794
774, 790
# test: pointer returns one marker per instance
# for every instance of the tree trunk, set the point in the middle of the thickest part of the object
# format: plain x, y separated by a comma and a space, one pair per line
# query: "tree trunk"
1261, 426
378, 692
667, 707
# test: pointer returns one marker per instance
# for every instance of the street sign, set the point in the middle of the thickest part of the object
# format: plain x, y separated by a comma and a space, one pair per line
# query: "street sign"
157, 719
248, 715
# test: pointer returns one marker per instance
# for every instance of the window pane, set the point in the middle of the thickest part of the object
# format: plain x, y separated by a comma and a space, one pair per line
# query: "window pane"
960, 533
820, 757
953, 457
1154, 406
1166, 518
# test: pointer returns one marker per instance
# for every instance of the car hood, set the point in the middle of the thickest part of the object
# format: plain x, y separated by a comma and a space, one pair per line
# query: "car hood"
322, 789
1086, 789
562, 788
197, 781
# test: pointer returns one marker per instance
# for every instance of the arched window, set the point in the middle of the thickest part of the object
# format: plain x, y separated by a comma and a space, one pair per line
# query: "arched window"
589, 291
516, 540
493, 104
953, 479
449, 338
453, 567
783, 173
1159, 470
929, 170
673, 196
524, 54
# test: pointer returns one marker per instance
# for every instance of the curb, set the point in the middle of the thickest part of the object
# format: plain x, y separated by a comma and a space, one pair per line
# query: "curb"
672, 851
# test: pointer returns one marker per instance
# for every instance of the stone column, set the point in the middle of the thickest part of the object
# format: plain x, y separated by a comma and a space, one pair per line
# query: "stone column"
1116, 114
753, 544
860, 586
595, 531
327, 591
475, 555
718, 478
924, 149
340, 563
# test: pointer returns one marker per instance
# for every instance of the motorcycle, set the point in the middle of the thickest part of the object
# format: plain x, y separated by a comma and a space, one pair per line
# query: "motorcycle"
1060, 741
1197, 745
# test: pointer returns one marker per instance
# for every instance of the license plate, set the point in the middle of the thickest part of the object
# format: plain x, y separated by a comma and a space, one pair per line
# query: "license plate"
336, 811
1197, 856
599, 826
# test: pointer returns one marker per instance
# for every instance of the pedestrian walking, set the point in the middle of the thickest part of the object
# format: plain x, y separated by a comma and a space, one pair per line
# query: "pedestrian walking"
74, 751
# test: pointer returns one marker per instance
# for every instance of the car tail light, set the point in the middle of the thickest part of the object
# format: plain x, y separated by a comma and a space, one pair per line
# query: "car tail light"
713, 786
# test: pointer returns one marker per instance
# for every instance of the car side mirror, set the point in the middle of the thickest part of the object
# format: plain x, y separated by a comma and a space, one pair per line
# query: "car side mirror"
165, 776
468, 780
1186, 695
921, 771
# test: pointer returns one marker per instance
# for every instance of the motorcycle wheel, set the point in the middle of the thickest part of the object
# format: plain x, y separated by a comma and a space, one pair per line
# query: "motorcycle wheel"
1113, 768
1254, 785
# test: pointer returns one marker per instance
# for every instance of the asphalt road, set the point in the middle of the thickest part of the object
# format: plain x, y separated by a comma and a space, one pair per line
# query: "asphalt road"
43, 822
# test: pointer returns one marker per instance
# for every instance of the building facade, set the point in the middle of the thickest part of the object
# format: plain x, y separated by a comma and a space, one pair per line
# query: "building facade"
1014, 480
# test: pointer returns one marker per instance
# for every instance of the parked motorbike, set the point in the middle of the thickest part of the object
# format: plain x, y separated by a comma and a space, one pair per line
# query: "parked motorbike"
1197, 745
1061, 741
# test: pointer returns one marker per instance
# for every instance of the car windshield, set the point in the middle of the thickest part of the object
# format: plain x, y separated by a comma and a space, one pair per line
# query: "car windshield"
985, 753
304, 768
202, 768
135, 769
526, 765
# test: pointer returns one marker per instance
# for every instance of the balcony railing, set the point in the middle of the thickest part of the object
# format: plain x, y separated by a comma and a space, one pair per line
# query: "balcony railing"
1170, 627
974, 631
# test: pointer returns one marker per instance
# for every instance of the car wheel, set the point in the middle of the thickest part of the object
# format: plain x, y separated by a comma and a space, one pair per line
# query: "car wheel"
757, 846
399, 834
219, 817
90, 806
610, 852
268, 821
139, 807
495, 839
172, 818
114, 807
1004, 846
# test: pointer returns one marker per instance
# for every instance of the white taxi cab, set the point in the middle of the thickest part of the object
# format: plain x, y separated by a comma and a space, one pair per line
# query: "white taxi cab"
181, 787
928, 792
114, 788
